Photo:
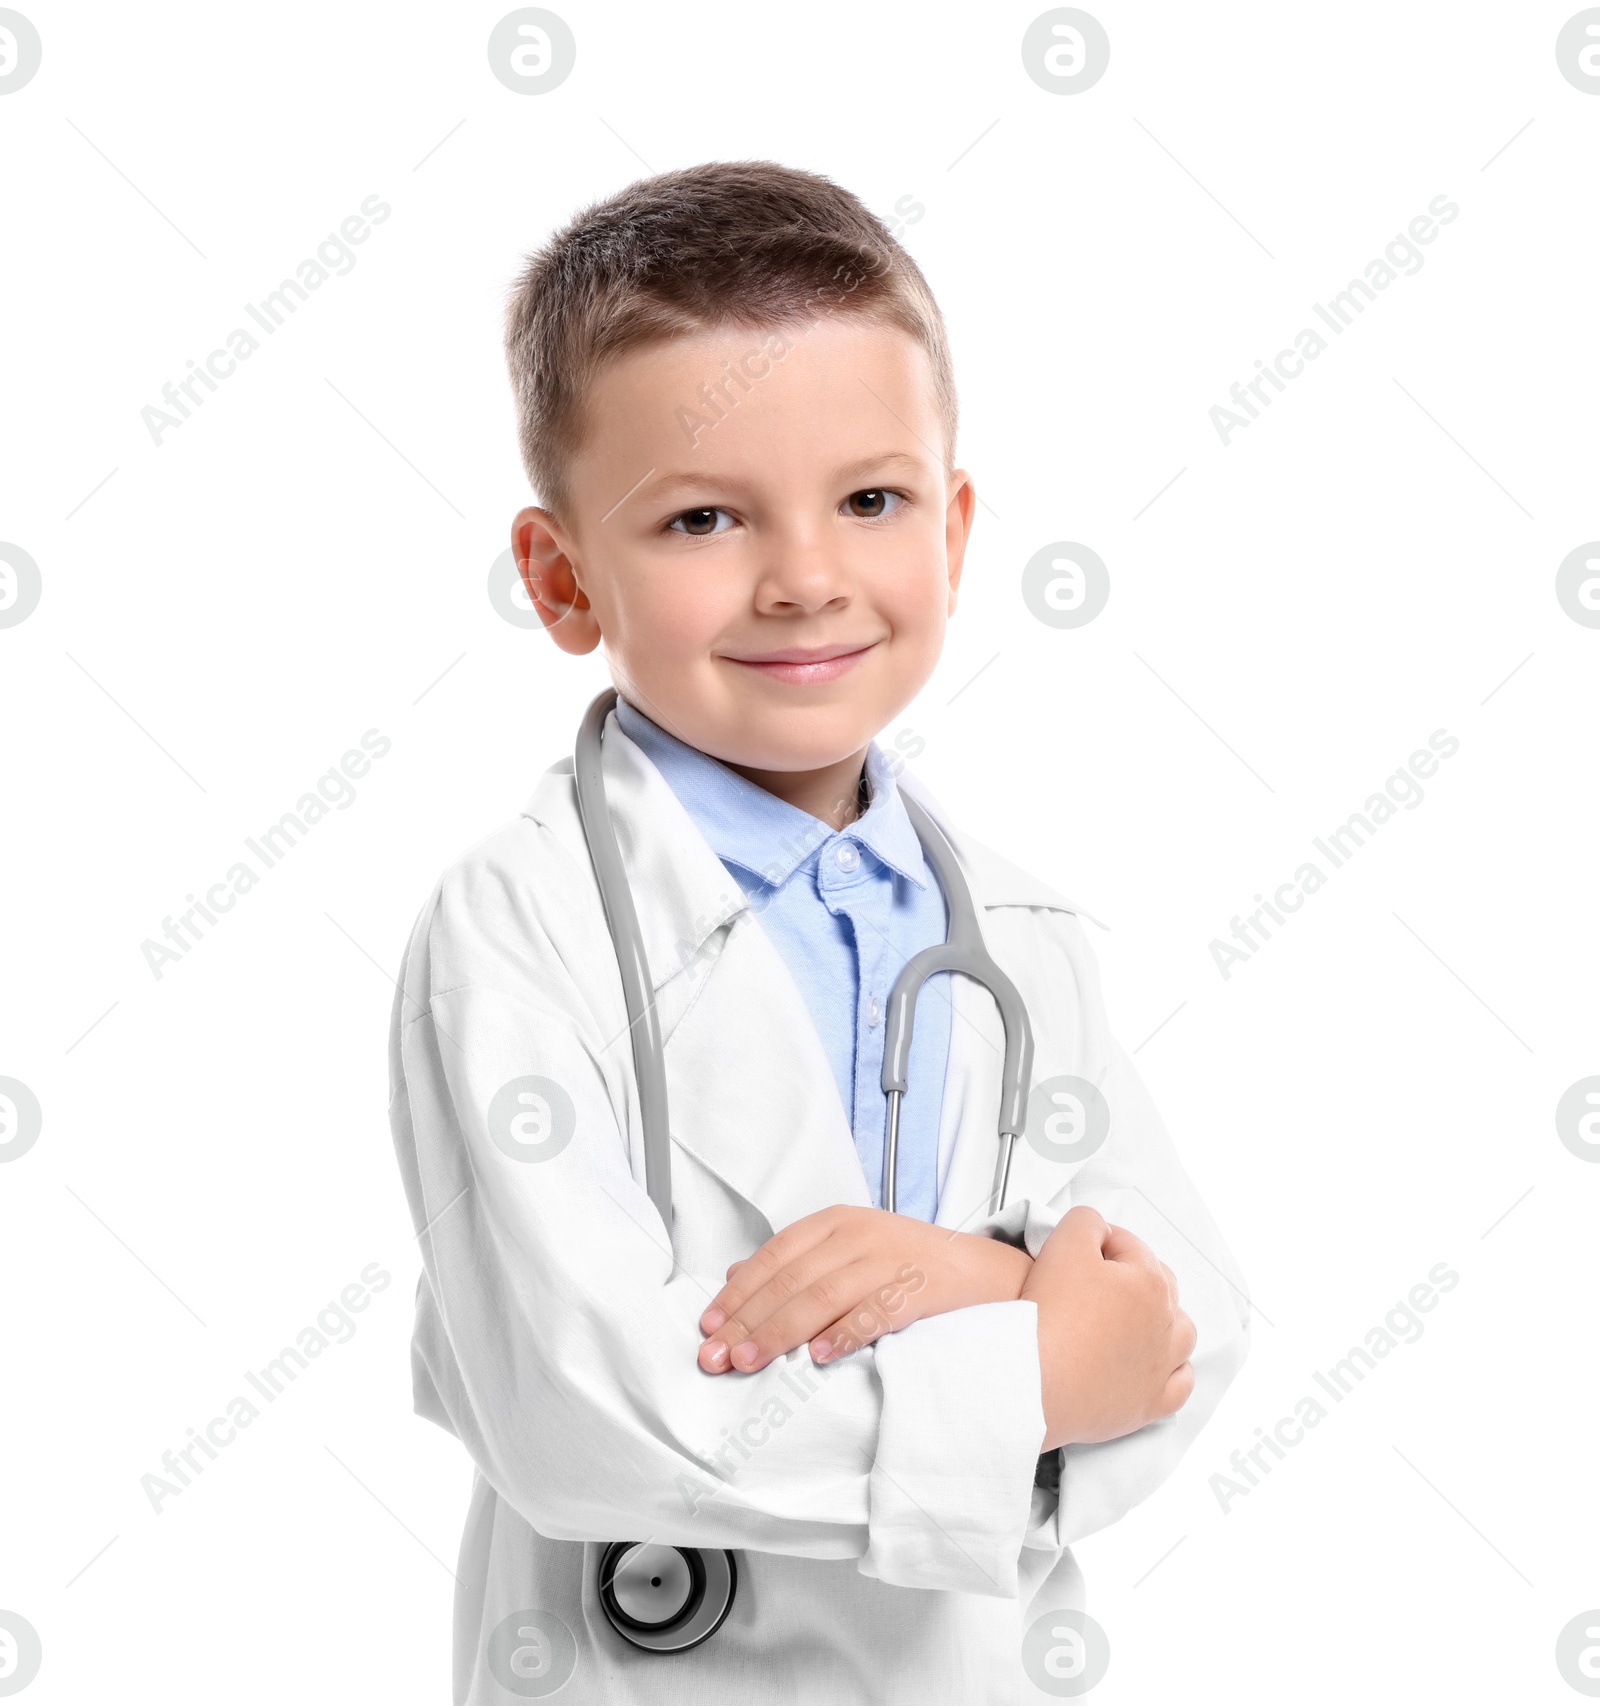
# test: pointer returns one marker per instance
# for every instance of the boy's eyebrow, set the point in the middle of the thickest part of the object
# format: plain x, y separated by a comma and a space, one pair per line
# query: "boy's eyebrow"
690, 482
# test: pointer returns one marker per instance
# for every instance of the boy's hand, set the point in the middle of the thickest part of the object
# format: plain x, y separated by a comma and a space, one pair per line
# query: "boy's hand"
1114, 1346
843, 1277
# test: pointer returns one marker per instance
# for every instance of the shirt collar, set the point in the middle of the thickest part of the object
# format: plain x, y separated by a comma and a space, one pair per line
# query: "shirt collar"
758, 832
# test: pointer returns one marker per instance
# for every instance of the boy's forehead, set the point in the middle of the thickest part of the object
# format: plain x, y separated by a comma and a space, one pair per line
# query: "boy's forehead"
843, 390
826, 336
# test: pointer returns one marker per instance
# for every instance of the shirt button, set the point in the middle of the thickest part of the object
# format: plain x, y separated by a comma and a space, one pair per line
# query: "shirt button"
846, 856
874, 1013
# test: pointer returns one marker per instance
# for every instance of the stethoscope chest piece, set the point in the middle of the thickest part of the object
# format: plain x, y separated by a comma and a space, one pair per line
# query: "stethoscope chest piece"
665, 1599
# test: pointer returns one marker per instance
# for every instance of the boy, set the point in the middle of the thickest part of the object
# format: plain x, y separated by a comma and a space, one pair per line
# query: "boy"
736, 403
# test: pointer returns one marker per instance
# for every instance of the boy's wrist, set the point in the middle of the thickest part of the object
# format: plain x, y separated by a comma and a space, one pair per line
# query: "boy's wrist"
1000, 1270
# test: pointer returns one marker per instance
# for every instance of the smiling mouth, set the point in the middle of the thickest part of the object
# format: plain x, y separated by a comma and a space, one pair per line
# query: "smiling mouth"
806, 665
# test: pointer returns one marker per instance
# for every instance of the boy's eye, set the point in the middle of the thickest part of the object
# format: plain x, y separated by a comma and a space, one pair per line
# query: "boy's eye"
872, 502
701, 522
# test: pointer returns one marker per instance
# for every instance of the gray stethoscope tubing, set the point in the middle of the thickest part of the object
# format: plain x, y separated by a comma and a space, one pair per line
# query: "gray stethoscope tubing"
665, 1598
963, 950
659, 1599
644, 1023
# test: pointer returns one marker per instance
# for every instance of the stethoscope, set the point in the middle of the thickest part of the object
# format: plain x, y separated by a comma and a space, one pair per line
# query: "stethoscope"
666, 1599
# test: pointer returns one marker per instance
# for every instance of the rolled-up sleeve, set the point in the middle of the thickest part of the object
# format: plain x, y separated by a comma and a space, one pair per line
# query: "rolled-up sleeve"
958, 1444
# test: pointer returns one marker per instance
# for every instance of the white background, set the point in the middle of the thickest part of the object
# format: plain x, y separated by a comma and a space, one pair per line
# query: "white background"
306, 558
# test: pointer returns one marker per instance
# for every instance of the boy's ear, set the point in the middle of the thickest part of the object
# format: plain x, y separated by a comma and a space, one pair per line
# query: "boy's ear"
959, 511
546, 569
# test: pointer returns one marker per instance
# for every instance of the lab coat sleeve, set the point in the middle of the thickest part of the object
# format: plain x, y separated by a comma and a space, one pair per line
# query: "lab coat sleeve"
956, 1495
556, 1336
1136, 1180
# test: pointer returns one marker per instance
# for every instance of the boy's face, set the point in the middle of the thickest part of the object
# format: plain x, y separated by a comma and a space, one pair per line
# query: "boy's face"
772, 588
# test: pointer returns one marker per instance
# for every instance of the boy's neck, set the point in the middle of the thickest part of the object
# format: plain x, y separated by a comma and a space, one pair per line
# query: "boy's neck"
832, 793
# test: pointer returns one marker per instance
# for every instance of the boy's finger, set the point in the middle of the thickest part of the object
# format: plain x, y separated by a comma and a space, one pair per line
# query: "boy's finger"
1075, 1245
747, 1277
816, 1267
1084, 1224
1180, 1383
860, 1327
1080, 1233
881, 1310
869, 1317
1184, 1337
847, 1294
1121, 1245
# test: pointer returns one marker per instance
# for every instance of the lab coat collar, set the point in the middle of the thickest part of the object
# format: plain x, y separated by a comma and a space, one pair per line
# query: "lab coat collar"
684, 894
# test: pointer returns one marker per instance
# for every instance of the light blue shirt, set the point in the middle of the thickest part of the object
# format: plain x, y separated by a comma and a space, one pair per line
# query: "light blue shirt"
845, 909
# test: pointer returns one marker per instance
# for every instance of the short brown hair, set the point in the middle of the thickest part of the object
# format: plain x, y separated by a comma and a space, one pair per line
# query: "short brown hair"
727, 243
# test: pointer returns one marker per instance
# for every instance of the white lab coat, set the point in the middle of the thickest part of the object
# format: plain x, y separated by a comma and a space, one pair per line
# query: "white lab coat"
890, 1543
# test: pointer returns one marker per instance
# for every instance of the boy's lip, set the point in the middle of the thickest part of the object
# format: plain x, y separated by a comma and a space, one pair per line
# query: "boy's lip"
805, 664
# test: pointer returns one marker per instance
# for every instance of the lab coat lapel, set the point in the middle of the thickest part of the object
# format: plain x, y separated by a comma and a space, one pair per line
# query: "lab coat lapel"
751, 1094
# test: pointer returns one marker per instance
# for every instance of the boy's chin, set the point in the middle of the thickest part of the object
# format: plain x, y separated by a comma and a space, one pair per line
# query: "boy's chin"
787, 744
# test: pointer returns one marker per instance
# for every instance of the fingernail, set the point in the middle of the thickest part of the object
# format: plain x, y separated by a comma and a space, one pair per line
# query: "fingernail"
712, 1319
824, 1352
716, 1354
746, 1353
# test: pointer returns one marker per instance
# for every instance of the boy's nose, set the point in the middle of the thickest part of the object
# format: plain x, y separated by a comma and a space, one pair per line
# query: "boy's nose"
801, 574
